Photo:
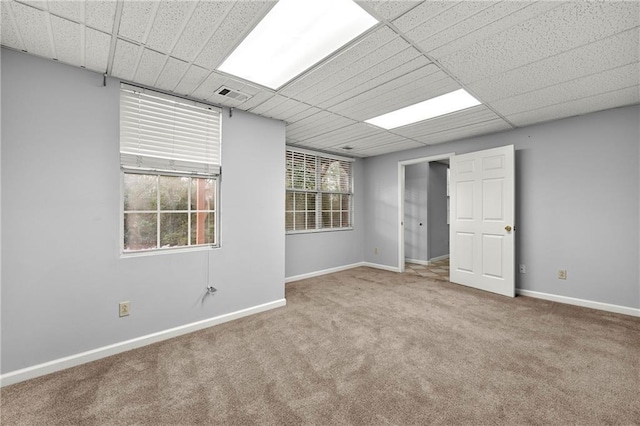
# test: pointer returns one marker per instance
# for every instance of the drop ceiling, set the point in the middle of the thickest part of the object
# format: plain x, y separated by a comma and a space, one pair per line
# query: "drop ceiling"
527, 62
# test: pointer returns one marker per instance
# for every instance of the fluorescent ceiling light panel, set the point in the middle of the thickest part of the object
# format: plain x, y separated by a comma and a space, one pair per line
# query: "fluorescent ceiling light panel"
434, 107
293, 36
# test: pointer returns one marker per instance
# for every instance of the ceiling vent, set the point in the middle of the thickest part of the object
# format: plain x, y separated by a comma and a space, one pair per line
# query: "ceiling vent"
231, 93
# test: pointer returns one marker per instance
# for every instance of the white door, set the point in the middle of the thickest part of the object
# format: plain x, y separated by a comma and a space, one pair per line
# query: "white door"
482, 220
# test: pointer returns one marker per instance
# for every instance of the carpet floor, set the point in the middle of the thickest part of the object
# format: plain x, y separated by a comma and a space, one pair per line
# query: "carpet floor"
362, 347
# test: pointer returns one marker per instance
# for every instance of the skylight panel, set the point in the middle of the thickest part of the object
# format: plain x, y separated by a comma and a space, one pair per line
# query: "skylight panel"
431, 108
294, 36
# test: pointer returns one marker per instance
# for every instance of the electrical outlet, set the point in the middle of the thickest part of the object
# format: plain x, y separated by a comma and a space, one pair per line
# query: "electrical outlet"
375, 250
523, 268
125, 308
562, 274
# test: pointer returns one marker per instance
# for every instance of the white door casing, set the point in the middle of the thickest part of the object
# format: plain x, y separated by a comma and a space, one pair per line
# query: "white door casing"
482, 240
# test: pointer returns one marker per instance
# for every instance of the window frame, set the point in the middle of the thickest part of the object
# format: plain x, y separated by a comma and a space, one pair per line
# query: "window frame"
318, 157
132, 162
158, 211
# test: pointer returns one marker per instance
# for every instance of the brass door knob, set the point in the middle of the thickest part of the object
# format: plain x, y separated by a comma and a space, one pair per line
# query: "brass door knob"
507, 228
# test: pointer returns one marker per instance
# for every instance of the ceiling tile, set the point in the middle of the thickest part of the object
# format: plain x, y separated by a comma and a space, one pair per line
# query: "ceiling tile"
72, 10
474, 115
460, 33
627, 96
206, 89
66, 36
125, 60
39, 4
100, 14
171, 74
343, 136
501, 17
135, 19
423, 84
151, 63
448, 18
475, 129
10, 35
223, 100
231, 30
97, 45
388, 9
33, 24
191, 80
607, 81
316, 124
286, 109
168, 24
611, 52
368, 44
267, 106
256, 100
355, 66
388, 148
371, 78
559, 30
302, 114
202, 24
422, 13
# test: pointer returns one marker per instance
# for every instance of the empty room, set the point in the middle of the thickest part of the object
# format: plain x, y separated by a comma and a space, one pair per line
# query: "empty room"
320, 212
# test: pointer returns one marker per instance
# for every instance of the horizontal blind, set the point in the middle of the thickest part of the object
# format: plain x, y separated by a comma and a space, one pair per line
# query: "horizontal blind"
335, 175
162, 132
301, 171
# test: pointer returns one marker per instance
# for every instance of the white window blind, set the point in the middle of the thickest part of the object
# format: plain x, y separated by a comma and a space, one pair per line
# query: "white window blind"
167, 133
319, 191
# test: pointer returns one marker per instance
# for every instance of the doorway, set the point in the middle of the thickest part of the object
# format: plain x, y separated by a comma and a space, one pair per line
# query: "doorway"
423, 233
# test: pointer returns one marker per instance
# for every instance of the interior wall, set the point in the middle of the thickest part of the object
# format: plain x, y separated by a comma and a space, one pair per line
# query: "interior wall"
62, 275
319, 251
573, 211
438, 229
416, 186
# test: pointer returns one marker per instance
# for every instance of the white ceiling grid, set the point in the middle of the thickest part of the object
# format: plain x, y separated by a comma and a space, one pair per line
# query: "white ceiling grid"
526, 61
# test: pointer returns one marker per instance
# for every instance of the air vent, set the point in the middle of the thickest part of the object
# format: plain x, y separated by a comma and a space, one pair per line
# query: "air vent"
233, 94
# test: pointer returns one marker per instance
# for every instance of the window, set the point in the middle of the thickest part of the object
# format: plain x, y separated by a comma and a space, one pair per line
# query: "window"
170, 159
319, 192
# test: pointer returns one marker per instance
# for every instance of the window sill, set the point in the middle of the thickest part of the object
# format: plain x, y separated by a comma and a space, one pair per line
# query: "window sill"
317, 231
172, 250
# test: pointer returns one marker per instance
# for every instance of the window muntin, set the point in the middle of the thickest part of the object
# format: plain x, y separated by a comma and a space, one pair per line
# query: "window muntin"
163, 212
319, 192
170, 158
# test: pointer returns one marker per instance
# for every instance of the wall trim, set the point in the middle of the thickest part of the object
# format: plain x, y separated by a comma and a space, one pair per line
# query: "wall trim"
437, 258
322, 272
379, 266
105, 351
625, 310
417, 261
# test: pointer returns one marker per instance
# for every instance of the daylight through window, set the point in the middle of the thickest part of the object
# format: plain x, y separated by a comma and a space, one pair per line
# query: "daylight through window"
170, 158
319, 192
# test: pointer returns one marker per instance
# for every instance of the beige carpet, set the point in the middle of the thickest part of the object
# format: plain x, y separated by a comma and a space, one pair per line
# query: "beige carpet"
364, 347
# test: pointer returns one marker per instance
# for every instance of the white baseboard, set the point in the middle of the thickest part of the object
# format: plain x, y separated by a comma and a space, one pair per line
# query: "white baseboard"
379, 266
105, 351
625, 310
437, 258
417, 261
322, 272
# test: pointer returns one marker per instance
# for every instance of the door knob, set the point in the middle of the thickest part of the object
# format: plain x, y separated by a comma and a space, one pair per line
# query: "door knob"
507, 228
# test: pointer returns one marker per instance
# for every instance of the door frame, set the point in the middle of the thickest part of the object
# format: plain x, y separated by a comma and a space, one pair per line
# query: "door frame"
401, 187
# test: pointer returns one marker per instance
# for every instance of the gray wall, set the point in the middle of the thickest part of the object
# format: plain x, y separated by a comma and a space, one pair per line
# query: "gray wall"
62, 275
577, 201
318, 251
438, 230
416, 185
